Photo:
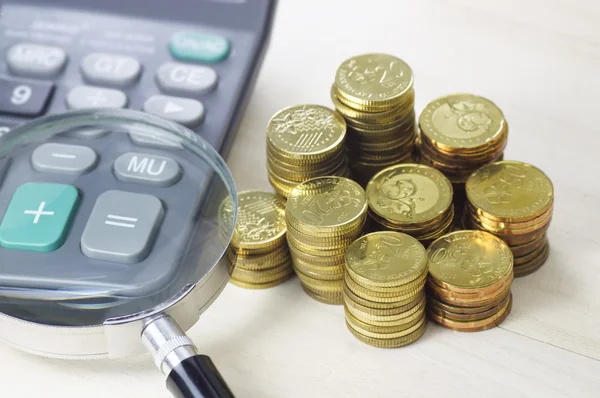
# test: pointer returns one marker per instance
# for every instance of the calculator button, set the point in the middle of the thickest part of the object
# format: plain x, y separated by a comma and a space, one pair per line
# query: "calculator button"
161, 142
110, 69
5, 128
24, 98
4, 163
87, 132
86, 97
199, 47
188, 112
38, 217
184, 79
36, 60
62, 158
147, 169
122, 227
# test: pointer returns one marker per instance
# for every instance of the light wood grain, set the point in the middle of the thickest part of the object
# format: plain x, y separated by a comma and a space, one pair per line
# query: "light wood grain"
540, 62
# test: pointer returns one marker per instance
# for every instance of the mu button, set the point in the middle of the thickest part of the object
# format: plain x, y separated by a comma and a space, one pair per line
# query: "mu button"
38, 217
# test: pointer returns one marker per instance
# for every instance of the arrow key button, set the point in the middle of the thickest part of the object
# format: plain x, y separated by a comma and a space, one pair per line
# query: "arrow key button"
188, 112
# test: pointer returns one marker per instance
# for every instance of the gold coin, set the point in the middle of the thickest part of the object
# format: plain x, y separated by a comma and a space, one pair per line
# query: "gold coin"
260, 222
325, 298
510, 191
366, 294
474, 326
262, 276
442, 295
390, 343
461, 317
258, 286
395, 292
326, 204
373, 81
527, 258
326, 276
462, 121
533, 265
399, 327
488, 293
380, 305
467, 261
375, 316
386, 259
260, 265
409, 194
521, 250
454, 309
306, 132
298, 255
332, 286
281, 189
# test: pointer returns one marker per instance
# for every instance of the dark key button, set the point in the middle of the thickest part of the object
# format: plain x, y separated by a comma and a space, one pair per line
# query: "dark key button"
4, 162
24, 97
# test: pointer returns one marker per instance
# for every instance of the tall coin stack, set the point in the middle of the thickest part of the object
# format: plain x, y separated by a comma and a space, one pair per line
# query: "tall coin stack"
459, 134
411, 198
258, 249
374, 93
470, 277
324, 216
303, 142
514, 201
384, 294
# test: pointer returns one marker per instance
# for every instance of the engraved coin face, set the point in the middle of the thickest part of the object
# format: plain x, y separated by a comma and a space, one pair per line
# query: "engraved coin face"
306, 130
409, 193
462, 121
327, 202
386, 258
469, 259
510, 190
374, 78
261, 219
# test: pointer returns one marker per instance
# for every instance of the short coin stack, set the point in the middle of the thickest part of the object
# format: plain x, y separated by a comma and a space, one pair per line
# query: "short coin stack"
258, 249
470, 277
304, 142
411, 198
514, 201
374, 93
384, 294
324, 216
459, 134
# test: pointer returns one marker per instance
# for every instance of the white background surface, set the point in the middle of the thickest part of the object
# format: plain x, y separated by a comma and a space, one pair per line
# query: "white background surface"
539, 60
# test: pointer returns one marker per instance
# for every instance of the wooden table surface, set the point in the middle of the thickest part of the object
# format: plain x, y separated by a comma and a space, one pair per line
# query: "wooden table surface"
539, 60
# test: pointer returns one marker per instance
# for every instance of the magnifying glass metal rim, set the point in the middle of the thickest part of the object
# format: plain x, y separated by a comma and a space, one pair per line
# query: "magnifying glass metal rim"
121, 337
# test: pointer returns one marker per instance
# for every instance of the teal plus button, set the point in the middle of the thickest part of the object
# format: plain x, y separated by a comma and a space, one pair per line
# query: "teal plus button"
198, 47
38, 217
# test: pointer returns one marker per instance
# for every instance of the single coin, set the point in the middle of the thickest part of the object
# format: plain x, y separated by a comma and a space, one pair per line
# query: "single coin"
373, 81
466, 261
386, 259
474, 326
326, 204
389, 343
409, 194
510, 191
258, 286
306, 132
260, 220
462, 121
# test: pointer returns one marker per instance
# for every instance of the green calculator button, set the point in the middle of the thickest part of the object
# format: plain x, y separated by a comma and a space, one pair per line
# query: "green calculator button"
198, 47
38, 217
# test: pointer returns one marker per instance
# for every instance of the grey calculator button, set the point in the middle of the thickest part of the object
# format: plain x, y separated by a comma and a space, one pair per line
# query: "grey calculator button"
86, 97
87, 132
122, 227
110, 69
4, 130
145, 140
36, 60
62, 158
182, 79
147, 169
188, 112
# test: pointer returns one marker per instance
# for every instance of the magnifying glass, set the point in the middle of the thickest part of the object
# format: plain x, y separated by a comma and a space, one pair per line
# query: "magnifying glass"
111, 241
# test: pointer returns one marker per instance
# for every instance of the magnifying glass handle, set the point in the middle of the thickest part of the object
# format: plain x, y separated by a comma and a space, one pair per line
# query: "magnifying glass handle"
197, 377
189, 375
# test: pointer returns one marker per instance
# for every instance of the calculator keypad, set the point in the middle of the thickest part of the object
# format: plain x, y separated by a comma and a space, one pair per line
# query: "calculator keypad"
88, 97
24, 97
63, 158
122, 227
36, 60
186, 111
182, 79
147, 169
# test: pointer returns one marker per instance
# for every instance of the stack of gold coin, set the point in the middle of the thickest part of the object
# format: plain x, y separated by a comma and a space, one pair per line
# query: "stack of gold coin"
384, 295
304, 142
459, 134
470, 276
324, 216
411, 198
374, 93
258, 250
514, 201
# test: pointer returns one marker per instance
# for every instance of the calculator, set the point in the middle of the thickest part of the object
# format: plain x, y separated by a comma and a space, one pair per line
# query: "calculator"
193, 62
